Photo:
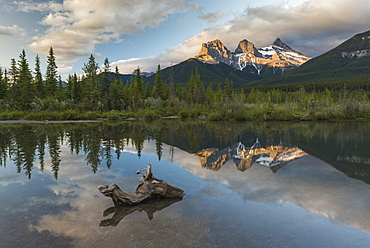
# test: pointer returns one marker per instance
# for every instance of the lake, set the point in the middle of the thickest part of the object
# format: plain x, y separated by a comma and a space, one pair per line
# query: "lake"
250, 184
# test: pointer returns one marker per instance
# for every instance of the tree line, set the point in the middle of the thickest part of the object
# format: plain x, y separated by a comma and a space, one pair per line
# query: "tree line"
24, 89
99, 92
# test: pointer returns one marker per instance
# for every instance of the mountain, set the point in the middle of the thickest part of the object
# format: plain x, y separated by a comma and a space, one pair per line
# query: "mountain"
348, 61
278, 57
209, 73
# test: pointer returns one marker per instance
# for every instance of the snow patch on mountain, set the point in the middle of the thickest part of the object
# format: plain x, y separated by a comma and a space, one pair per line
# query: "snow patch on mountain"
277, 55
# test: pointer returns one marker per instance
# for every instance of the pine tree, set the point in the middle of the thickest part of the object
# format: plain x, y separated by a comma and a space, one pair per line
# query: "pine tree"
39, 84
228, 89
60, 91
6, 82
74, 88
198, 94
92, 84
51, 79
116, 92
13, 72
157, 88
3, 85
24, 84
106, 85
106, 82
209, 94
138, 85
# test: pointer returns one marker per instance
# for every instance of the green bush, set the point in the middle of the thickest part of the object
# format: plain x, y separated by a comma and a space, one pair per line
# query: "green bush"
13, 115
151, 115
214, 116
113, 115
91, 115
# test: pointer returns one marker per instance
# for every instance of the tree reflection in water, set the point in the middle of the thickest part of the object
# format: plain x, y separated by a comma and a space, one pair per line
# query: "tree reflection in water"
341, 144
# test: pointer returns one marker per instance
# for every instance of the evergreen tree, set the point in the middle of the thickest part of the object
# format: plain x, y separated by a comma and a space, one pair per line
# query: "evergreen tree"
116, 92
24, 84
6, 82
61, 91
198, 94
194, 88
147, 90
74, 88
13, 72
3, 85
51, 79
106, 84
138, 86
228, 89
92, 83
39, 84
157, 88
209, 94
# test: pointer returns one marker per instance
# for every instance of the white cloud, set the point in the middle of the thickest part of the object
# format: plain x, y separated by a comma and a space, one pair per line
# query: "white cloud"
74, 28
312, 27
212, 17
12, 30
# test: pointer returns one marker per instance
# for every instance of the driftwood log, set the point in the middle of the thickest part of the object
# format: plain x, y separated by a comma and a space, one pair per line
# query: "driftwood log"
149, 187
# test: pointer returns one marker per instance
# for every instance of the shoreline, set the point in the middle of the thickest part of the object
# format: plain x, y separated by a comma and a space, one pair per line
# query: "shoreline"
45, 122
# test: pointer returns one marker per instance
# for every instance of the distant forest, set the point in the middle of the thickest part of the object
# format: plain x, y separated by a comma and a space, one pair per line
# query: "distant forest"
96, 94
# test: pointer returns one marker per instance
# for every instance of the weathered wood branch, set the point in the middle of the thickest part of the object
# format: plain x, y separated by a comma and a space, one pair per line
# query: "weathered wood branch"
149, 187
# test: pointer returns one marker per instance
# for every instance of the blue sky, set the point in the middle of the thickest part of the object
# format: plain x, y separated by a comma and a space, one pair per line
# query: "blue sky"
144, 33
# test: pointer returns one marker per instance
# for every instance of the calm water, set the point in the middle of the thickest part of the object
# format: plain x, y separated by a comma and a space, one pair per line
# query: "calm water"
246, 184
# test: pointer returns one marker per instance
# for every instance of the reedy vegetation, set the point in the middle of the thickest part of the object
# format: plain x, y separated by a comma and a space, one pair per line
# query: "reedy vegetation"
96, 95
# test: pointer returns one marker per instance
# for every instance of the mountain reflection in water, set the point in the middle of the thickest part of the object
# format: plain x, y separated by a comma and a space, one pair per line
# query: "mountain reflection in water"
274, 157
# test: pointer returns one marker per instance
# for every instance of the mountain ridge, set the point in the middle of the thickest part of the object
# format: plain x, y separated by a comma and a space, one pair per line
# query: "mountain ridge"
277, 55
348, 61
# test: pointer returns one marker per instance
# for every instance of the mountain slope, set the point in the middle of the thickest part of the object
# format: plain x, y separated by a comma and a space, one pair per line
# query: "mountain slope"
209, 73
350, 60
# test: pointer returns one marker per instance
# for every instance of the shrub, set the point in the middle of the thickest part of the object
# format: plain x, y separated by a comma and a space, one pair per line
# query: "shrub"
13, 115
91, 115
151, 115
214, 116
184, 114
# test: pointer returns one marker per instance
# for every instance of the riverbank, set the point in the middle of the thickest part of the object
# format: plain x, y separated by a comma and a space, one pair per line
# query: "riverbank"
230, 112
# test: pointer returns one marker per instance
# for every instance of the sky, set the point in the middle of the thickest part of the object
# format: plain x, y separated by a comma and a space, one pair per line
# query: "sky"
145, 33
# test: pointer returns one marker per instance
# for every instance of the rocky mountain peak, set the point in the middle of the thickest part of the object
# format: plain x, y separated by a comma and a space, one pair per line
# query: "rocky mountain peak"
279, 43
245, 46
214, 52
278, 55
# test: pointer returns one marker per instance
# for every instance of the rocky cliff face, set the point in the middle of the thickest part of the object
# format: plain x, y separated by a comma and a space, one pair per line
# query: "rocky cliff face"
277, 55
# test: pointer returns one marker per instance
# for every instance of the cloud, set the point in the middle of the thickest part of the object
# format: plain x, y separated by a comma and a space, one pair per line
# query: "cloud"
74, 28
312, 27
10, 31
212, 17
31, 6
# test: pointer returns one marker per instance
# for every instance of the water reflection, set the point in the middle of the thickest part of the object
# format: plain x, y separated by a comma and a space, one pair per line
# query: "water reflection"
310, 202
274, 157
150, 206
343, 145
